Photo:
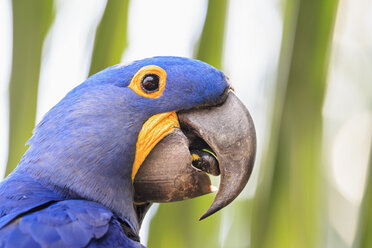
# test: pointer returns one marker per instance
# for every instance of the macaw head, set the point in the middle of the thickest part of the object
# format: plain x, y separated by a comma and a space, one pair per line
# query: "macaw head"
145, 132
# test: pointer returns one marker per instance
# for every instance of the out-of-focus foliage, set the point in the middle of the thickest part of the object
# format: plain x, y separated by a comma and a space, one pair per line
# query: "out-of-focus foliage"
364, 239
210, 45
111, 36
291, 205
31, 21
168, 229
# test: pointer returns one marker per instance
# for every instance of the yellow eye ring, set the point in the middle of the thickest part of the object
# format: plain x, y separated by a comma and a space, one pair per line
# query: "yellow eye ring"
141, 76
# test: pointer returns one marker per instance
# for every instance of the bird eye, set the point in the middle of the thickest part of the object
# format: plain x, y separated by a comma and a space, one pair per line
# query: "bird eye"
150, 83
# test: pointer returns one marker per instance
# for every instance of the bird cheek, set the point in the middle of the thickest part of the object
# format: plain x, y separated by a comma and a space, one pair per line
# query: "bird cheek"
153, 130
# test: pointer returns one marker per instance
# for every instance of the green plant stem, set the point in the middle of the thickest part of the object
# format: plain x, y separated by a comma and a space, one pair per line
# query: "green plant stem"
364, 237
290, 203
111, 36
210, 46
31, 21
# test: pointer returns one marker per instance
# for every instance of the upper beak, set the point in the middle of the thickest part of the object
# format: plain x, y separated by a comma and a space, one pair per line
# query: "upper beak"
226, 130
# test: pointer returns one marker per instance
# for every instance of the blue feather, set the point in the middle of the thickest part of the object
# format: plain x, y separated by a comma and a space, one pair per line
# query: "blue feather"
16, 238
65, 224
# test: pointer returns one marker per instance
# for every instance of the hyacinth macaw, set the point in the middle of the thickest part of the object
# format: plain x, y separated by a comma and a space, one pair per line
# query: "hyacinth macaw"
128, 136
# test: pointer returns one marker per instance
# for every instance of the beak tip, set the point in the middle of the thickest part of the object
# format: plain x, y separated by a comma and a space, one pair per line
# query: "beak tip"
208, 213
202, 217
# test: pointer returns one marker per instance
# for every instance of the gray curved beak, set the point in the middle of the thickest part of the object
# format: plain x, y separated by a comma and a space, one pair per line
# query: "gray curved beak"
218, 140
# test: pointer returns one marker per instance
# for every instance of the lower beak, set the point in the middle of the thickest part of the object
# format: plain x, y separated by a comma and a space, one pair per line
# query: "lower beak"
221, 139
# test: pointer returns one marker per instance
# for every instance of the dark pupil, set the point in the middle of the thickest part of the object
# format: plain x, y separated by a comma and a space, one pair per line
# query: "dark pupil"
150, 83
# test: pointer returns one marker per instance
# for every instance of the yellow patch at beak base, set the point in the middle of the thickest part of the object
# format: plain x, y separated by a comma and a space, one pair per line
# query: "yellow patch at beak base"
153, 130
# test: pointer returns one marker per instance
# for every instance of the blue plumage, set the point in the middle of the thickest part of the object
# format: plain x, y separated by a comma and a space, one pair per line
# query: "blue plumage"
73, 186
21, 193
70, 223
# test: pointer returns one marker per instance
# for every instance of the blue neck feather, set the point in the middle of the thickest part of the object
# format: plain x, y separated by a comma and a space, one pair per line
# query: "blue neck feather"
86, 145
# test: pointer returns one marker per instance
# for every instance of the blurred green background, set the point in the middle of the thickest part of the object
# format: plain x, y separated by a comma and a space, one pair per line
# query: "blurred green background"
302, 67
